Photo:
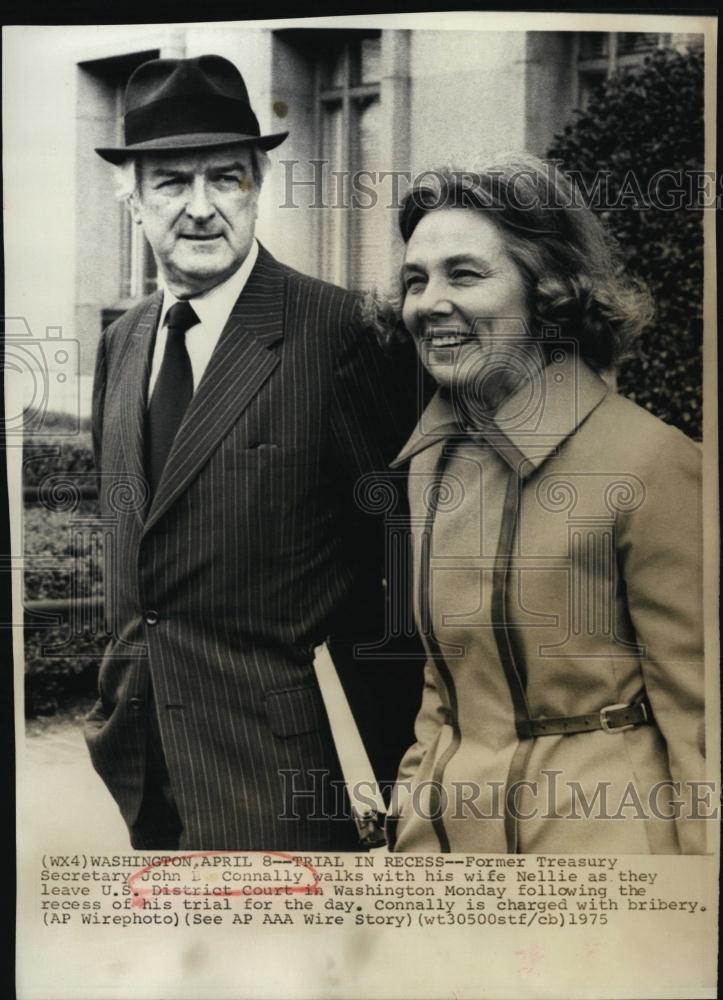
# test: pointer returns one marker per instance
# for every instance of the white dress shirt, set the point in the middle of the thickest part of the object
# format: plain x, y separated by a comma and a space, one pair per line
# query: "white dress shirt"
213, 309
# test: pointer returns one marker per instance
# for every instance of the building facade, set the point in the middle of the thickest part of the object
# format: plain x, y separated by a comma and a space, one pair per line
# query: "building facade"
367, 111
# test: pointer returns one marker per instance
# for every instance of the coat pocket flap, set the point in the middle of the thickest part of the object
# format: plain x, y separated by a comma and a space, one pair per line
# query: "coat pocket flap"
294, 711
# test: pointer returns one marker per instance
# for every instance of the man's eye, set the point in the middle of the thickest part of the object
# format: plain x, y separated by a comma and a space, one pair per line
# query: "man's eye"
229, 179
170, 183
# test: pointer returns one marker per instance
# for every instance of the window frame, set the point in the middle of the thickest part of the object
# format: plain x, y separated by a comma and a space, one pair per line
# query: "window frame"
595, 69
133, 243
346, 95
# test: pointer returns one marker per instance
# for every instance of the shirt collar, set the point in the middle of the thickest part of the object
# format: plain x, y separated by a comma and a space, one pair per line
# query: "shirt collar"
529, 425
213, 307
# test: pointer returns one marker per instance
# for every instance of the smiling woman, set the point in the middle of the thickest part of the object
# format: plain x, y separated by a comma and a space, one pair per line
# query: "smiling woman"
463, 296
557, 596
536, 221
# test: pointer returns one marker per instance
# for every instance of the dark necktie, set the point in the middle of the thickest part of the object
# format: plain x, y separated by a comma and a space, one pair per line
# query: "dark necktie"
172, 392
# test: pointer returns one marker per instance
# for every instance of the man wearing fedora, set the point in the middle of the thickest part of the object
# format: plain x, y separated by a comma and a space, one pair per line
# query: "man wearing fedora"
238, 406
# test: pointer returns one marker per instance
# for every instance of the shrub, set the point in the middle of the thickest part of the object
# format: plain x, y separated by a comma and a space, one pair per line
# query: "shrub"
61, 660
57, 554
60, 681
638, 123
55, 421
54, 456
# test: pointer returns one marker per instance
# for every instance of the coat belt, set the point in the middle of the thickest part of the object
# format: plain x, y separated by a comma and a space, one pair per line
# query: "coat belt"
611, 719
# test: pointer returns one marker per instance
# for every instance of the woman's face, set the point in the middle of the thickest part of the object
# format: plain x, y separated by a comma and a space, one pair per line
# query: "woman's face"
465, 304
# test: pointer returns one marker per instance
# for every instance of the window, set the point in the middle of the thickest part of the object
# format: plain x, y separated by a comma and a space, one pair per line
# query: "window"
102, 84
347, 97
601, 54
138, 274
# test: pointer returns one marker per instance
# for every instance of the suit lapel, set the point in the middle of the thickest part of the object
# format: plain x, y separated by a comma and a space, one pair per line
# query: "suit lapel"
239, 366
134, 365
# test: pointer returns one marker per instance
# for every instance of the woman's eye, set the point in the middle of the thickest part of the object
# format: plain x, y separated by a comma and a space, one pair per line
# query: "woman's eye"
413, 283
464, 275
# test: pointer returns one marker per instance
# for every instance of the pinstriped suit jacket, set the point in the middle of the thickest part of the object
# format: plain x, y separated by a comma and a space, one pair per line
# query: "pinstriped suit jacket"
246, 556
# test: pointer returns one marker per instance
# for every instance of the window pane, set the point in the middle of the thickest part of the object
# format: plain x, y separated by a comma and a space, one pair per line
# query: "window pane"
370, 60
367, 251
139, 274
594, 44
333, 248
350, 227
630, 42
333, 70
138, 271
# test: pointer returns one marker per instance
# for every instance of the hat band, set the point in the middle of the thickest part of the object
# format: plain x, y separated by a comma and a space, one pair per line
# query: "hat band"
188, 116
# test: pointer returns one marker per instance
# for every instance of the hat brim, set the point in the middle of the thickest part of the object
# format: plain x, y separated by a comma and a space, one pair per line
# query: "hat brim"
199, 140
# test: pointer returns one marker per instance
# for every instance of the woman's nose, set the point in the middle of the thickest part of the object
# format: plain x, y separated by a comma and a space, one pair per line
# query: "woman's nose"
435, 301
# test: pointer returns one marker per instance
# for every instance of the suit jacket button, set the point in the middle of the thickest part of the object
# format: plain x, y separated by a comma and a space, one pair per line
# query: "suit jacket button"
152, 617
135, 703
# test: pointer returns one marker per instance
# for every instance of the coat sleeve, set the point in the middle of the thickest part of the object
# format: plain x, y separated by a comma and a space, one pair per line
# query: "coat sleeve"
372, 412
99, 384
431, 716
660, 548
374, 402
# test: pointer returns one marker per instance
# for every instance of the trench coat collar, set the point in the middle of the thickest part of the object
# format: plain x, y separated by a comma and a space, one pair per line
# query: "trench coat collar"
528, 427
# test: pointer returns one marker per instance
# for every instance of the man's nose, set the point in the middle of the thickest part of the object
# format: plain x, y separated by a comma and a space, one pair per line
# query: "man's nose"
199, 206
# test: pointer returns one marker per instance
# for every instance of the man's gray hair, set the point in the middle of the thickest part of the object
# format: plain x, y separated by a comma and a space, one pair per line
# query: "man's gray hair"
126, 178
127, 175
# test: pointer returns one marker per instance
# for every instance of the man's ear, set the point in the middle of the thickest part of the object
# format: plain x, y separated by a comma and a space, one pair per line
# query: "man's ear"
134, 209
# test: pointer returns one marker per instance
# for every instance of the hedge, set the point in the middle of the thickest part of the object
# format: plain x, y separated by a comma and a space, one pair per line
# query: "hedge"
56, 455
61, 661
638, 123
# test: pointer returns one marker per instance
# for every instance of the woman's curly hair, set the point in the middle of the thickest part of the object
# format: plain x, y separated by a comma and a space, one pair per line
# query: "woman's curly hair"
571, 265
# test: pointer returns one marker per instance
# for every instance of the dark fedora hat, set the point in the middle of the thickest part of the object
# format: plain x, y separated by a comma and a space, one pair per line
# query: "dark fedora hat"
177, 104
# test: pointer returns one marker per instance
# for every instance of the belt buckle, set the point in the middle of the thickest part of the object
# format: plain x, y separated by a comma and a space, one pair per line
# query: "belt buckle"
612, 708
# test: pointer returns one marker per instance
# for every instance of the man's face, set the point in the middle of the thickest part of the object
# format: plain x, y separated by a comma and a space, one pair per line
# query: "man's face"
198, 211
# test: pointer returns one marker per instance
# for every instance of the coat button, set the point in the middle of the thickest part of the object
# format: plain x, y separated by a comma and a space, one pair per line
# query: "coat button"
152, 617
135, 703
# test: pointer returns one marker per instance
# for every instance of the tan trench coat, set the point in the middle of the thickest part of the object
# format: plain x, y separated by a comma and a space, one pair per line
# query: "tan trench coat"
557, 568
